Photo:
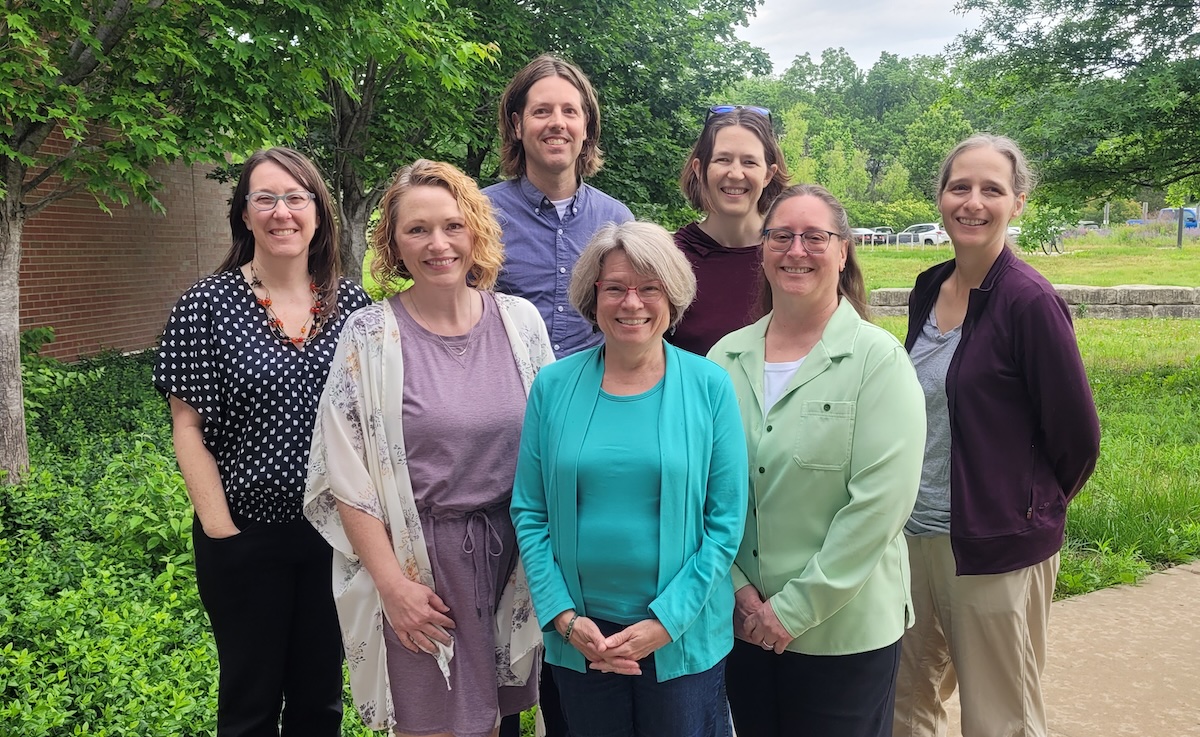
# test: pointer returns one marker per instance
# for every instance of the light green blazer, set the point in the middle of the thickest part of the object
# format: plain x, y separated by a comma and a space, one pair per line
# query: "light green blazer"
834, 470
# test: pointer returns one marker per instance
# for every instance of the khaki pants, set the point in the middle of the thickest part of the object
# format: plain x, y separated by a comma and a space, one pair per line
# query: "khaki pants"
985, 635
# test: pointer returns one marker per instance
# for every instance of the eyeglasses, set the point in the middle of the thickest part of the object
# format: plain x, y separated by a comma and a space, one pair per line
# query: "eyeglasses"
264, 201
780, 240
722, 109
615, 291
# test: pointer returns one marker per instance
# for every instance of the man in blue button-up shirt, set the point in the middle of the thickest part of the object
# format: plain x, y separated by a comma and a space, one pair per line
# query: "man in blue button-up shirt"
550, 128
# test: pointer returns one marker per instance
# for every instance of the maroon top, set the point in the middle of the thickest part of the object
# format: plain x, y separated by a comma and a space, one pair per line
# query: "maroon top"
1024, 432
727, 283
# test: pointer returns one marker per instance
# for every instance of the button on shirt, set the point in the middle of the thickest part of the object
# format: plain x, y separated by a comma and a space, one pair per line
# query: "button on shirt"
540, 250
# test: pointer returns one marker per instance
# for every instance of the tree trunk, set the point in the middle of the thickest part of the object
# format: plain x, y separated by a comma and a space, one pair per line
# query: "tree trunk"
355, 214
14, 448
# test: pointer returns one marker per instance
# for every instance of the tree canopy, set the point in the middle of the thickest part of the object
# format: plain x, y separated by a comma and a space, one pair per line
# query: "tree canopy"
1104, 93
128, 83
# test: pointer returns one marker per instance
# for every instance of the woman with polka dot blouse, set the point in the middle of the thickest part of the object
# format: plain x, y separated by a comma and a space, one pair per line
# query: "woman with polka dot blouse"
413, 459
243, 359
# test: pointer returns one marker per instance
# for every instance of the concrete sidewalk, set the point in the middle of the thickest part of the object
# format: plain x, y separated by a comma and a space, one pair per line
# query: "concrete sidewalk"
1125, 661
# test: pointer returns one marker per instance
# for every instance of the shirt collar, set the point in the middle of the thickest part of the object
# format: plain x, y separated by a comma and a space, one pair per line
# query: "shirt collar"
537, 200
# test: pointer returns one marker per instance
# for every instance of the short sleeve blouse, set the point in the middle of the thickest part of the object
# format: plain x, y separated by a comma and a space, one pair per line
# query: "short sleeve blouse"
256, 395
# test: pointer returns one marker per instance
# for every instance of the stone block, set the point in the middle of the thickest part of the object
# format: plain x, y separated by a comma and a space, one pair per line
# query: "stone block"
889, 311
1075, 294
1181, 311
1149, 294
891, 297
1105, 312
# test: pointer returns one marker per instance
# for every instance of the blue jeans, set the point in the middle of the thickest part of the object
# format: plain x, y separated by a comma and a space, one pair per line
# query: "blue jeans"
610, 705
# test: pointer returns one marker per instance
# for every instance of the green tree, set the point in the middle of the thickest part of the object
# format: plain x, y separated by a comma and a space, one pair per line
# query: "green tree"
894, 183
927, 141
412, 66
128, 83
656, 66
794, 143
1106, 95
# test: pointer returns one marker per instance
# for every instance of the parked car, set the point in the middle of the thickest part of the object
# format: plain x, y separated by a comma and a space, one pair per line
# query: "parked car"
1014, 231
884, 234
1088, 225
863, 236
930, 234
1171, 215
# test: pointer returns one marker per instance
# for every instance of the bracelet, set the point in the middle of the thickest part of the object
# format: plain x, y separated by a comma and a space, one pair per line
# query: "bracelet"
570, 628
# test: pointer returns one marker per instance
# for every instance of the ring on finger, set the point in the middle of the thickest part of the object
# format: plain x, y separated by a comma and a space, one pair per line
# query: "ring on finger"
766, 646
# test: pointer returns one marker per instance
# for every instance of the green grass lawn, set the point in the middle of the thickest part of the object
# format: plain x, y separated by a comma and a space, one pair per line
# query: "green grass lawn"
1090, 261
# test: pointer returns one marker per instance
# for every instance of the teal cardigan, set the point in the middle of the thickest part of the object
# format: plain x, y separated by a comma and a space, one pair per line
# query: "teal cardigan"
702, 515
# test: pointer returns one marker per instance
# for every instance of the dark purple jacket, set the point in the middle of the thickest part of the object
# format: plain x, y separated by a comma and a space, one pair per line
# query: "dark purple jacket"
1024, 432
726, 289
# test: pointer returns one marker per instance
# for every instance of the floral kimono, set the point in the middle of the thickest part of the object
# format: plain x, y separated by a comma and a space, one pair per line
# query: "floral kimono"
358, 458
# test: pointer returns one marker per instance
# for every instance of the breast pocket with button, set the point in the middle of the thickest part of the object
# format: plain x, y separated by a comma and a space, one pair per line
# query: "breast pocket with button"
824, 434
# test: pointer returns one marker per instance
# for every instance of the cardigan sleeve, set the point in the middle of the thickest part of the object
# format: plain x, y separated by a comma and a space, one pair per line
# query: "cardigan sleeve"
886, 452
1058, 390
531, 518
725, 501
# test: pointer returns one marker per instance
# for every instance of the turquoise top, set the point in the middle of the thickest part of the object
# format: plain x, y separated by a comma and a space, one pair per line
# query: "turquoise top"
619, 507
702, 513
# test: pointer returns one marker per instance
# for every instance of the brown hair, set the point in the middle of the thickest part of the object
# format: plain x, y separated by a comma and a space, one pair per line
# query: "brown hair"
851, 284
323, 259
487, 250
512, 152
695, 184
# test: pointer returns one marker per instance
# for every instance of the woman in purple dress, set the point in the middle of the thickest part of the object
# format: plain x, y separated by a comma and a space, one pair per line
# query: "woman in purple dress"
412, 470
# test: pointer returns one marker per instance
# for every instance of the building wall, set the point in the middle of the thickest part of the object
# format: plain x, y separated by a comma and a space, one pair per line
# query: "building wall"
109, 281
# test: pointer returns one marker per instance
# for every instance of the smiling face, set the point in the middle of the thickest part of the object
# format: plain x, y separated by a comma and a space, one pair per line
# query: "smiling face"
736, 174
978, 201
432, 238
797, 274
279, 232
624, 318
552, 127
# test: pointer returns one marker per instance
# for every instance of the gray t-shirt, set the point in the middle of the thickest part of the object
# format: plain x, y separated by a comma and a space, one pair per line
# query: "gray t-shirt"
931, 354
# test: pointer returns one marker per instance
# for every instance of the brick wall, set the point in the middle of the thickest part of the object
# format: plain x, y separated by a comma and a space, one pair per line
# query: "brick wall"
109, 281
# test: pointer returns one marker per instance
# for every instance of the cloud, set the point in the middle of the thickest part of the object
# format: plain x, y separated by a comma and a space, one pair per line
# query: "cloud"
865, 28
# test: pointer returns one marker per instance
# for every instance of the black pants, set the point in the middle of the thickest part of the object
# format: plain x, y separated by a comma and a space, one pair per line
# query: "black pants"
823, 696
268, 595
548, 703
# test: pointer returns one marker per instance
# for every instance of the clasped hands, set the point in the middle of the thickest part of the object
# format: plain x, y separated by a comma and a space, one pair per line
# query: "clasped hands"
755, 621
417, 615
618, 653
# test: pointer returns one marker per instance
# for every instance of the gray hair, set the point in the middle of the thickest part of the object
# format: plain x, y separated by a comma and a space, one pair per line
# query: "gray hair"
1023, 180
652, 252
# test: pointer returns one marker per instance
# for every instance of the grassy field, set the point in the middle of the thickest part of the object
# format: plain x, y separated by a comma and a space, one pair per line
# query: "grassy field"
1088, 260
1141, 509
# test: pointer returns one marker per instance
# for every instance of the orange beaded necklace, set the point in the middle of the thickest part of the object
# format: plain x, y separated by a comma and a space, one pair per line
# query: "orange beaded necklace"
311, 327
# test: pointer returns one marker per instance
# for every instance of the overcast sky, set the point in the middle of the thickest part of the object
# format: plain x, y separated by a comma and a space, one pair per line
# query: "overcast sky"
788, 28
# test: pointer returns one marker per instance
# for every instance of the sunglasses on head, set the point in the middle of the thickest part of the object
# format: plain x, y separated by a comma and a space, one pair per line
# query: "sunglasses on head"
722, 109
